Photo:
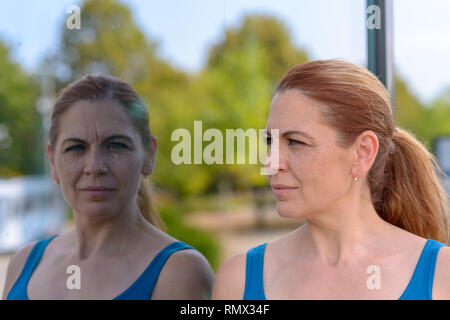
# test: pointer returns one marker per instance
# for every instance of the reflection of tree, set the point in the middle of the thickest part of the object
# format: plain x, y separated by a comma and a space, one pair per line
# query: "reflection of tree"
111, 42
19, 121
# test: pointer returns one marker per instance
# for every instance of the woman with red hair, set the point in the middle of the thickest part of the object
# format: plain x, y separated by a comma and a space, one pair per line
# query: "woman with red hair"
369, 192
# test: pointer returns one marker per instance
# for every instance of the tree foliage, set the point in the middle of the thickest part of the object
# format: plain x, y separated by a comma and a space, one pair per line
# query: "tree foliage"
427, 122
20, 128
233, 91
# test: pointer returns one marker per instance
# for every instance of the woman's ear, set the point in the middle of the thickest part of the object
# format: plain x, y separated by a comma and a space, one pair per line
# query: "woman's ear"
366, 149
149, 163
51, 159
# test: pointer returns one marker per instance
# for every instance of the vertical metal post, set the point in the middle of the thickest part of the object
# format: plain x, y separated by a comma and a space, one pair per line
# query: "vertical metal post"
380, 42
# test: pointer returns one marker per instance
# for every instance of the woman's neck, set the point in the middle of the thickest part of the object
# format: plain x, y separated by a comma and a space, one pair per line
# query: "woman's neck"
344, 234
107, 236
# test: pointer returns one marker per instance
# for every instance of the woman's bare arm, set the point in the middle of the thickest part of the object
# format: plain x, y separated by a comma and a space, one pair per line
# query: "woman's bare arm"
186, 275
15, 266
230, 279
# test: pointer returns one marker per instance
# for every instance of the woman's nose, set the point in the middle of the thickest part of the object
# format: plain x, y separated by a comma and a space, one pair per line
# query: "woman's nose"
275, 164
271, 164
275, 160
95, 162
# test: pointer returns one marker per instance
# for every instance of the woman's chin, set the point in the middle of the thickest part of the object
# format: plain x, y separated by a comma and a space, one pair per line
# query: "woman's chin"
96, 211
289, 210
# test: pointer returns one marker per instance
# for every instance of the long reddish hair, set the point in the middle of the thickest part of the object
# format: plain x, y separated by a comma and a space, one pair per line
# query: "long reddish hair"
405, 180
99, 87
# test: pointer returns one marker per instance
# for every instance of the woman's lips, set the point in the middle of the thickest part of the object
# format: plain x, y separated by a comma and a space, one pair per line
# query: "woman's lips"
279, 189
97, 191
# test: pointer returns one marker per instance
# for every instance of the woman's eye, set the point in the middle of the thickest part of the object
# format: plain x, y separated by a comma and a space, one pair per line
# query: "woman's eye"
294, 142
118, 145
75, 148
112, 145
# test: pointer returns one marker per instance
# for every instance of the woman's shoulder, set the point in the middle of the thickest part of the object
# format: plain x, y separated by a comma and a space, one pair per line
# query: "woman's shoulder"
15, 266
186, 274
190, 259
229, 283
441, 279
441, 283
230, 278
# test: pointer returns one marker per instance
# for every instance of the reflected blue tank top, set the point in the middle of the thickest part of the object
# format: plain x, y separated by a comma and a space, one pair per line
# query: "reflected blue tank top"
141, 289
420, 286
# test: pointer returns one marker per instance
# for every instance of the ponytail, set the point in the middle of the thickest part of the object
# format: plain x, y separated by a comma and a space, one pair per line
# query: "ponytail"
146, 206
412, 196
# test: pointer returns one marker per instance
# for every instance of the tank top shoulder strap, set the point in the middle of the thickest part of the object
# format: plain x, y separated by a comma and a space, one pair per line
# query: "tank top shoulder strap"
19, 289
254, 266
420, 287
142, 288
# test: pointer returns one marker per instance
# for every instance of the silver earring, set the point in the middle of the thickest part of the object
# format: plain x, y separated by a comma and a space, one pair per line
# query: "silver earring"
356, 178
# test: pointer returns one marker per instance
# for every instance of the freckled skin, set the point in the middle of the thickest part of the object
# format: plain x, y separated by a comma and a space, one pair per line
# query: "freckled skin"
85, 163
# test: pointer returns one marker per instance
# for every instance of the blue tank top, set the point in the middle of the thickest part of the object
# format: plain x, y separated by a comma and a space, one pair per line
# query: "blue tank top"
141, 289
420, 286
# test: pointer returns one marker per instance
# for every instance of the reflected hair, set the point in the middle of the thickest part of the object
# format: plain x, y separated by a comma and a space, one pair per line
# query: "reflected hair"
405, 181
104, 87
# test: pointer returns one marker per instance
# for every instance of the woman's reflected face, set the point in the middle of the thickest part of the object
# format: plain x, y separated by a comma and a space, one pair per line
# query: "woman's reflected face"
98, 158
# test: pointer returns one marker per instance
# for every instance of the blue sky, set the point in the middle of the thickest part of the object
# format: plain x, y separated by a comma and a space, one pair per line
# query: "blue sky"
185, 29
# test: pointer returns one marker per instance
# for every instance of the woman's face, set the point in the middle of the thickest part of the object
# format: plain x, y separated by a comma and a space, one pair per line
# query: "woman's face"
98, 147
314, 173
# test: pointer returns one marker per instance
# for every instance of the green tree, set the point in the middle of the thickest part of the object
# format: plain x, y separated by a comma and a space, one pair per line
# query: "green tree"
234, 89
438, 116
427, 122
20, 123
409, 112
109, 41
